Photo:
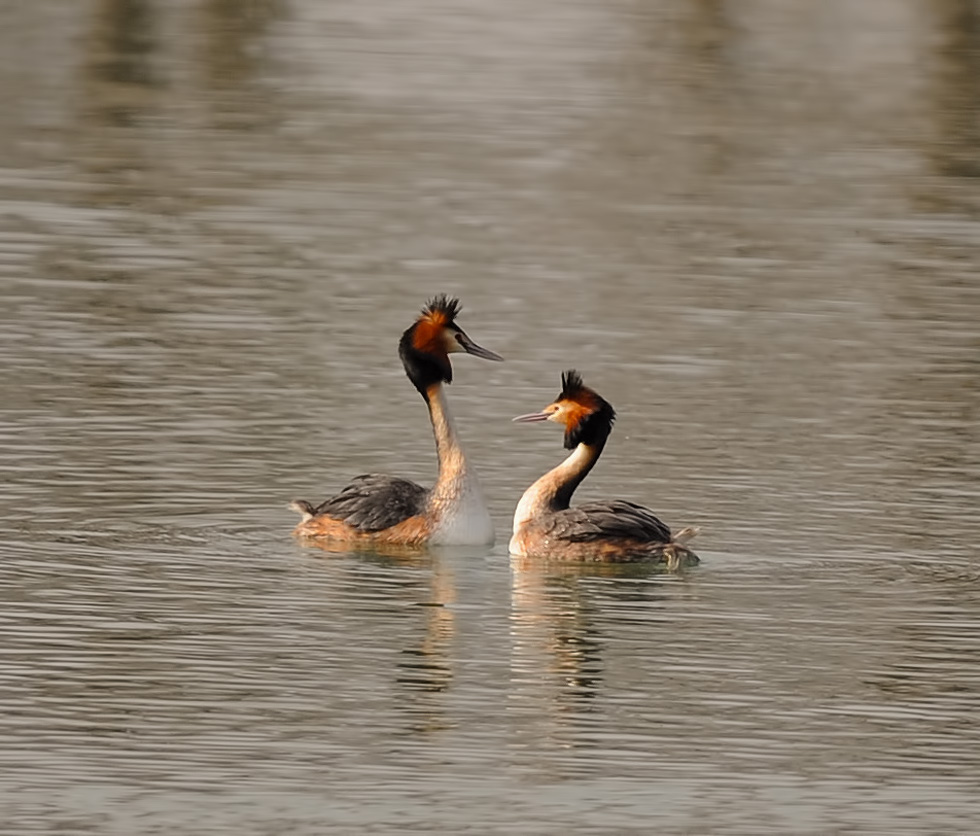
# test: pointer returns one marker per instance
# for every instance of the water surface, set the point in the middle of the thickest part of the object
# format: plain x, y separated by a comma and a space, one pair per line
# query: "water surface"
753, 228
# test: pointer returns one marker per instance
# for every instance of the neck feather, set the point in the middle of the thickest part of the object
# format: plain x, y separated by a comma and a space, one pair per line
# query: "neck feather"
452, 462
456, 503
553, 491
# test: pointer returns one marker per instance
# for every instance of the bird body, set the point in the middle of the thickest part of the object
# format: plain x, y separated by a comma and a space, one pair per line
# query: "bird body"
379, 509
610, 531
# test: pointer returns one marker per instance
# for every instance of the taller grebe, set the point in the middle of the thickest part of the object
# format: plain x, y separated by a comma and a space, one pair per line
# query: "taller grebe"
385, 509
611, 531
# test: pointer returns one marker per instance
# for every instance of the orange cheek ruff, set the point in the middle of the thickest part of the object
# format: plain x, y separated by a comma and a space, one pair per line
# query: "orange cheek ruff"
414, 531
430, 334
573, 413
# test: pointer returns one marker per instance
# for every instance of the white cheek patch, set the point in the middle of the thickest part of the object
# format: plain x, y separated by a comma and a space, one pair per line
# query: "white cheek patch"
450, 342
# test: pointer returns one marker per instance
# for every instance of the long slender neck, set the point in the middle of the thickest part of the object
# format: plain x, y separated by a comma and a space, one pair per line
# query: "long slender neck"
553, 491
455, 506
452, 461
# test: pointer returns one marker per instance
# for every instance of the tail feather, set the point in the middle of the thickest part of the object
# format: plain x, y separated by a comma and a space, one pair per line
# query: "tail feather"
677, 554
685, 535
301, 506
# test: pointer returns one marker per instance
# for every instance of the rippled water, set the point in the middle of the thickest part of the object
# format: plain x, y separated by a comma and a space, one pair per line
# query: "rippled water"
753, 227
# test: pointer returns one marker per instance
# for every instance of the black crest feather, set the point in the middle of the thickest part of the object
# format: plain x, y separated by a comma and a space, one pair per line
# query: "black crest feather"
594, 427
424, 368
571, 384
449, 306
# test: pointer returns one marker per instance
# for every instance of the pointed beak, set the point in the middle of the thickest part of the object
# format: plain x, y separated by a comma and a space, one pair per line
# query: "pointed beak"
532, 417
471, 347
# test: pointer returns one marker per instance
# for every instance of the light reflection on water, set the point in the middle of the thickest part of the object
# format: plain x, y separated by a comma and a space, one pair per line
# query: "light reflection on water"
754, 229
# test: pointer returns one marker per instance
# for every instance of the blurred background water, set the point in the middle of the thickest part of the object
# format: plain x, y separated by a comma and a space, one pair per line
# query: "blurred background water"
754, 228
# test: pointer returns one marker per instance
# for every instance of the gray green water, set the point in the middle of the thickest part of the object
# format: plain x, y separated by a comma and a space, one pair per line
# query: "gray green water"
754, 227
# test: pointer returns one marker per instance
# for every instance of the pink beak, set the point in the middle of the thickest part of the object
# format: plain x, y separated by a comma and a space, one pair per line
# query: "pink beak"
532, 417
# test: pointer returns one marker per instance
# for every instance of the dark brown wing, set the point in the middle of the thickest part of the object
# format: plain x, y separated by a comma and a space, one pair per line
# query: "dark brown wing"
607, 520
374, 502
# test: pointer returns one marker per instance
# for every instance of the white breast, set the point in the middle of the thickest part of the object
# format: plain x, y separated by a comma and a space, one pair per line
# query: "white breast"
464, 520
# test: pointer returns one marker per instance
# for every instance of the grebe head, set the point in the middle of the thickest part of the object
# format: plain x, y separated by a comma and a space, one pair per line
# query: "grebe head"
425, 347
586, 416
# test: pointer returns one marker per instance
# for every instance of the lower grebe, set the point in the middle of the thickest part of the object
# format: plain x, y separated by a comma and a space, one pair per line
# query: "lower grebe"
377, 509
612, 531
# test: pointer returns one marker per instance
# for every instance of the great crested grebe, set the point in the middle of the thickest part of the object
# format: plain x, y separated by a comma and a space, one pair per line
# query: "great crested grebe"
609, 531
377, 509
